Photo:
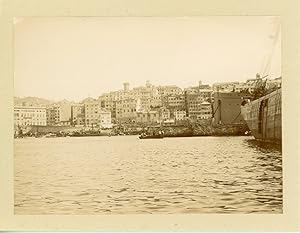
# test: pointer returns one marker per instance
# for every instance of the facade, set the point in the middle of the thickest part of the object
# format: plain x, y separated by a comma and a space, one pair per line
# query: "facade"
53, 113
206, 111
91, 109
227, 108
108, 102
30, 115
193, 106
126, 110
77, 114
105, 119
148, 117
174, 102
165, 114
147, 94
180, 115
65, 111
169, 90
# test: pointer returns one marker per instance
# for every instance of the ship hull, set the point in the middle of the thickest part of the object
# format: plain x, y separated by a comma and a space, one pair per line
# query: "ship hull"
263, 117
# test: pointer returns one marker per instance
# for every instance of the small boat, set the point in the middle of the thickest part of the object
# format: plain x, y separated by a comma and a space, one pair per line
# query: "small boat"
153, 136
150, 136
50, 135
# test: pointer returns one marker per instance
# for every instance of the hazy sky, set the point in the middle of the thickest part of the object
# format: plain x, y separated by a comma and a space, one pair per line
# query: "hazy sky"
77, 57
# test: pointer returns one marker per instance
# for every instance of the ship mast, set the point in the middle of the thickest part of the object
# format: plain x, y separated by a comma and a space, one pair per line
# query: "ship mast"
260, 83
266, 64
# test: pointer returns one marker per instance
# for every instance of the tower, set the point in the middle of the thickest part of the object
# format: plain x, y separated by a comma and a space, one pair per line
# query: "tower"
126, 86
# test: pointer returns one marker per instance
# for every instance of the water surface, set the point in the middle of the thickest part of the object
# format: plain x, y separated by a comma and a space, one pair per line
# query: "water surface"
123, 175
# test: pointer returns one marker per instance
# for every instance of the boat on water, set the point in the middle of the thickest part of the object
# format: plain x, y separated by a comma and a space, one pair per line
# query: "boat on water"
151, 136
263, 117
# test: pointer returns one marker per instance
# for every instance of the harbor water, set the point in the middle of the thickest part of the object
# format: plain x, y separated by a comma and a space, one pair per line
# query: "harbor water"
126, 175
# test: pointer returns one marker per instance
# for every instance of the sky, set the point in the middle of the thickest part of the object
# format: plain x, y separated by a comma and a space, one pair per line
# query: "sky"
77, 57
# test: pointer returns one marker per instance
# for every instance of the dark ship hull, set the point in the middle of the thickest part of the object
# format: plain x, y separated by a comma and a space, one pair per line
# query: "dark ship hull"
263, 117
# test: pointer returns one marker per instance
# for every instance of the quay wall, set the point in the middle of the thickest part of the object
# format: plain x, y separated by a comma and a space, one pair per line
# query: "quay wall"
169, 131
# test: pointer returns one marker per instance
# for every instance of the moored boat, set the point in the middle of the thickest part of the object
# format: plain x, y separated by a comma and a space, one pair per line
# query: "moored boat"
150, 136
159, 134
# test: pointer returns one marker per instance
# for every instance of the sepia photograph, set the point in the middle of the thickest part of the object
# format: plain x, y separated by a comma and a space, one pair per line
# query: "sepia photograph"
147, 115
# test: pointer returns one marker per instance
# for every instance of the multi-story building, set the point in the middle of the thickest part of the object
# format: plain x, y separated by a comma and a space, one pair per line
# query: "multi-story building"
59, 113
193, 105
180, 115
65, 111
92, 108
148, 96
206, 111
53, 113
126, 109
148, 117
174, 102
108, 102
165, 114
206, 94
77, 114
169, 90
105, 119
29, 115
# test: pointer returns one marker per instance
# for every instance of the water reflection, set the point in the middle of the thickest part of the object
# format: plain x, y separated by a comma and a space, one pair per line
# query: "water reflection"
263, 146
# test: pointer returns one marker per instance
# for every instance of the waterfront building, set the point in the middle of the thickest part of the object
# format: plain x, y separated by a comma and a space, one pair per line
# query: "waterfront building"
92, 108
65, 111
193, 106
108, 102
29, 115
105, 119
227, 108
206, 111
126, 110
53, 113
165, 114
180, 115
59, 113
77, 114
148, 117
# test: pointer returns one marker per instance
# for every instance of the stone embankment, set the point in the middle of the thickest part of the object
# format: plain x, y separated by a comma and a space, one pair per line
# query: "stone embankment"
205, 130
186, 130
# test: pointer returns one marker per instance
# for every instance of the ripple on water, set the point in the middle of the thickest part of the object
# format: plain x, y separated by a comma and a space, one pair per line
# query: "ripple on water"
173, 175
